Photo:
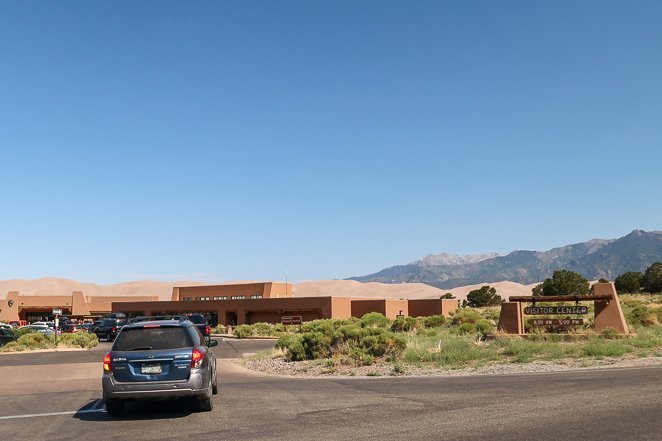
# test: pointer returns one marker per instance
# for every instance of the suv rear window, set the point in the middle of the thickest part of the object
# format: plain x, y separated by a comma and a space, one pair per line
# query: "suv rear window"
108, 322
175, 337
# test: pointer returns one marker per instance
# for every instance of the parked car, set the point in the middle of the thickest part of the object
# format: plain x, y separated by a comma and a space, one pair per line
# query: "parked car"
18, 323
95, 325
88, 327
6, 326
109, 328
159, 359
201, 323
6, 336
39, 328
71, 328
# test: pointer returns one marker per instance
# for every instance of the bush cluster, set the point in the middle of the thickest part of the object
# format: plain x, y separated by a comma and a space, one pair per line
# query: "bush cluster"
79, 340
358, 343
638, 314
36, 340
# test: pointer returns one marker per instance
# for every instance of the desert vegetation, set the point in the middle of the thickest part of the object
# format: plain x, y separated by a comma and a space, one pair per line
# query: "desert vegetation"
468, 339
35, 340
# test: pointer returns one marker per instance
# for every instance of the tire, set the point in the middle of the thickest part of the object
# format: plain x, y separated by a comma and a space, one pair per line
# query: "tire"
114, 407
214, 386
205, 404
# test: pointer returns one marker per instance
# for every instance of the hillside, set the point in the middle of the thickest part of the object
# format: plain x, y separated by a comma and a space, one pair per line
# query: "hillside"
593, 259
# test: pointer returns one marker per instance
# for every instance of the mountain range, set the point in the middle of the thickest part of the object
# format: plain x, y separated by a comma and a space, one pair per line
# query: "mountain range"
594, 259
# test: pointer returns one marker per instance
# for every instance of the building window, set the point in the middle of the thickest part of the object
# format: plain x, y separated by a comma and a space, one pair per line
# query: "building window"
238, 297
256, 296
220, 298
188, 299
203, 298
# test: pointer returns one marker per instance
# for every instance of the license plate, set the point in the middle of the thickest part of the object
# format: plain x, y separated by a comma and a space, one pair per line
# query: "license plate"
150, 369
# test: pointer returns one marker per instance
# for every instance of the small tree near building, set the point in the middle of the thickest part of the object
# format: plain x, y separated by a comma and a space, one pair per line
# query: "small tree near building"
485, 296
448, 295
652, 280
629, 282
562, 282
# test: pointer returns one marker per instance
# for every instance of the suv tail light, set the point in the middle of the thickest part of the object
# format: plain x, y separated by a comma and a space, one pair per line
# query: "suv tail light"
197, 357
207, 331
107, 364
114, 329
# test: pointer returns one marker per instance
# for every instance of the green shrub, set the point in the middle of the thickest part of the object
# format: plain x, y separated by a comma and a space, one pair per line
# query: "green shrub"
360, 357
638, 314
263, 329
484, 327
243, 331
491, 313
316, 345
292, 345
404, 324
466, 328
325, 327
347, 333
374, 320
79, 340
430, 332
12, 346
466, 316
434, 321
36, 340
220, 329
610, 333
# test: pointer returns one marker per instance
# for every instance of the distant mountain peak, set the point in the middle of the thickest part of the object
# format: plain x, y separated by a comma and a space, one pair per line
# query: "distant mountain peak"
593, 259
452, 259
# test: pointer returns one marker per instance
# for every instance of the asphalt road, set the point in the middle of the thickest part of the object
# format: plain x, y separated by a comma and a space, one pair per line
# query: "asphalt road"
228, 348
607, 404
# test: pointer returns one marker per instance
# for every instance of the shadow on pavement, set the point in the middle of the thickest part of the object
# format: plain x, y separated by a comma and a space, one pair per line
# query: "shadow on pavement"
138, 410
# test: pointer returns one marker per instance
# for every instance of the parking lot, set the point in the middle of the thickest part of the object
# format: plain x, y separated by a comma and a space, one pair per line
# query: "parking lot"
58, 396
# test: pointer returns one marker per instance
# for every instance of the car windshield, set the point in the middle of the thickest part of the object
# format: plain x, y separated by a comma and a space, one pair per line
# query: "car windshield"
108, 322
134, 339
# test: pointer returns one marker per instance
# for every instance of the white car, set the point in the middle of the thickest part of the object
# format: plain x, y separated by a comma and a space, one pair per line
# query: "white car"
6, 326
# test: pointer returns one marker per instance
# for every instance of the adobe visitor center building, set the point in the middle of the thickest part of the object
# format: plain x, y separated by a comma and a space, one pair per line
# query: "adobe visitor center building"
236, 304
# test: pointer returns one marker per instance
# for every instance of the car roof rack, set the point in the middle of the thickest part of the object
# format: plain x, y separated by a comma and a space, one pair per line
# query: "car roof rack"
154, 318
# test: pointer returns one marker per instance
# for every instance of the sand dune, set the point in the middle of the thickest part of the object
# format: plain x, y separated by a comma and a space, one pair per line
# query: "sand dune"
352, 288
55, 286
317, 288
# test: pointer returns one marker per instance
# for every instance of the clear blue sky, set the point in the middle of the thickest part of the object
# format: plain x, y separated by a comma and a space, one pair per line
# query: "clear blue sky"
238, 140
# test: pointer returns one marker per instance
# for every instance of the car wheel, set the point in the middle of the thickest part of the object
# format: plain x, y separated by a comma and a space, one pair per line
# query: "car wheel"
205, 404
114, 407
214, 386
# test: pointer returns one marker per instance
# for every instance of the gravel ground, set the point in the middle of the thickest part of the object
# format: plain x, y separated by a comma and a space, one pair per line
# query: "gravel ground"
316, 368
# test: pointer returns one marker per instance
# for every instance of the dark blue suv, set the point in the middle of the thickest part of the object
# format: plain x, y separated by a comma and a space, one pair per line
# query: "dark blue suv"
159, 359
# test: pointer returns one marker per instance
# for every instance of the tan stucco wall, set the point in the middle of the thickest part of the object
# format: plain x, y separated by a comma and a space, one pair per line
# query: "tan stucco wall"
265, 289
310, 308
363, 307
396, 307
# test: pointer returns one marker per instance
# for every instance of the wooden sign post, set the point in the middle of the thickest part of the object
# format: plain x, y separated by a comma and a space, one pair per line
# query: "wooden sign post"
608, 312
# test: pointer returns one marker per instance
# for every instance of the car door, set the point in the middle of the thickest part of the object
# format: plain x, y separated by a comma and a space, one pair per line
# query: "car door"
6, 337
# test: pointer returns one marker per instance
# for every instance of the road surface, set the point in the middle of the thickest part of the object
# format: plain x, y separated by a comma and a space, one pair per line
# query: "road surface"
605, 404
